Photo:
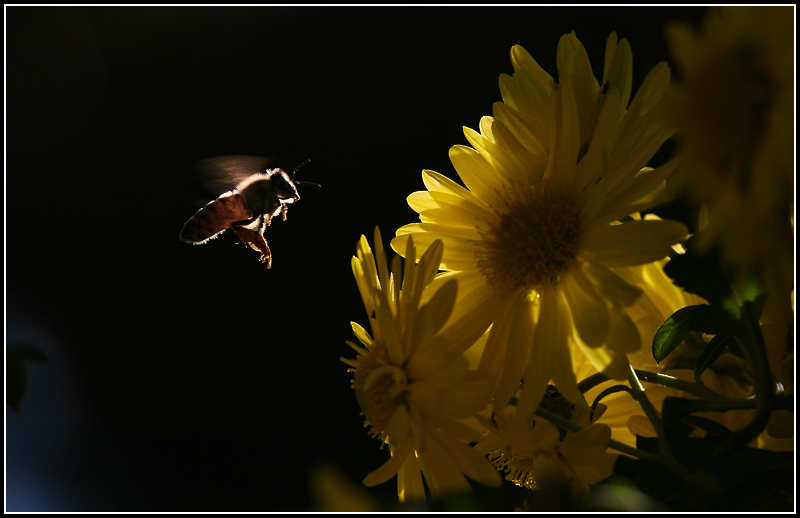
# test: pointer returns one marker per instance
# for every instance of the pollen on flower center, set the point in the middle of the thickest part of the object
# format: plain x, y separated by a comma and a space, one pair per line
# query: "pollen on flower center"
518, 470
532, 241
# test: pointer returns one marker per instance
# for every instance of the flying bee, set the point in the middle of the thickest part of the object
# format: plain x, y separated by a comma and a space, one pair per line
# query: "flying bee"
258, 195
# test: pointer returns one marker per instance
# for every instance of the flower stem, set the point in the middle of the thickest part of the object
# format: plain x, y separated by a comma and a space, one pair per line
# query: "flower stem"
686, 386
763, 387
592, 381
665, 456
637, 391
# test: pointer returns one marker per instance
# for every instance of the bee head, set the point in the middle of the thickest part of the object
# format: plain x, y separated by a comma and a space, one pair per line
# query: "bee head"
282, 185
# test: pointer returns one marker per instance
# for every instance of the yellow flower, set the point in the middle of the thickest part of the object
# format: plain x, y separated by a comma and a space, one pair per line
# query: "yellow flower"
734, 112
533, 451
413, 389
543, 220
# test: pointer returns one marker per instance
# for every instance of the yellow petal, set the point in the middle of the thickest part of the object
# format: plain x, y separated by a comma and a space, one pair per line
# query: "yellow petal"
459, 243
389, 333
522, 60
623, 336
361, 334
409, 482
633, 242
548, 336
426, 360
589, 313
608, 284
586, 451
456, 211
424, 397
476, 173
436, 182
440, 306
421, 201
389, 468
468, 397
524, 132
472, 316
620, 68
441, 470
472, 464
397, 427
498, 157
511, 336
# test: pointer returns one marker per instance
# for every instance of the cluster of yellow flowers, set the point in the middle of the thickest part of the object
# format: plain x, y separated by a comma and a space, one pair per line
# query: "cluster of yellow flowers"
544, 270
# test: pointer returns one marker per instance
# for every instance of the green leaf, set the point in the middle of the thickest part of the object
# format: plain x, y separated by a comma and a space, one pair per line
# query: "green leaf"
702, 317
672, 332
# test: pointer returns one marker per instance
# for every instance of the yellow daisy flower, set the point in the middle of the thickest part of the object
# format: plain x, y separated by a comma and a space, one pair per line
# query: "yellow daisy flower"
533, 451
535, 235
413, 388
734, 111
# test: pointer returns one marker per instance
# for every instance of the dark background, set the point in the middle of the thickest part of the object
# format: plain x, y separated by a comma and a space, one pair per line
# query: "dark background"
183, 378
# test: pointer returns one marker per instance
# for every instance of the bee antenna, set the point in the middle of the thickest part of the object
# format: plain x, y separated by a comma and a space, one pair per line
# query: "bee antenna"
303, 183
298, 168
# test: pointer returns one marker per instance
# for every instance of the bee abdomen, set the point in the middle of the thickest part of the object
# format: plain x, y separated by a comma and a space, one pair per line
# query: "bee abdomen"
214, 218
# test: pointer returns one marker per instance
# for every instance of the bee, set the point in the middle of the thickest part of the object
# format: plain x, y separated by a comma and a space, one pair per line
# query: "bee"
258, 195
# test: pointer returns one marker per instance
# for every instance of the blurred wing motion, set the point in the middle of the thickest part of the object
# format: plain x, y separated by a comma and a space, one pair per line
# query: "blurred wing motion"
214, 218
223, 173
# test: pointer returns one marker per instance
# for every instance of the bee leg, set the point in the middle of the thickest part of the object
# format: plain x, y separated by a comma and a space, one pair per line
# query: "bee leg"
284, 211
262, 224
257, 242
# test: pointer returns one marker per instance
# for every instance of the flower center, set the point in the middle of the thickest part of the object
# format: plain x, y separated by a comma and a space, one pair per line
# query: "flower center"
518, 470
533, 240
384, 390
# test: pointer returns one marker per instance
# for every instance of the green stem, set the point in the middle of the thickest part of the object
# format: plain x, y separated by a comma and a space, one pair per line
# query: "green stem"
637, 391
664, 448
664, 380
689, 387
592, 381
762, 386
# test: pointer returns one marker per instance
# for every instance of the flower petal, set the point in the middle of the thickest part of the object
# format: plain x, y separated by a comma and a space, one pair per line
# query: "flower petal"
511, 336
589, 312
459, 243
608, 284
390, 467
548, 337
456, 211
586, 451
474, 313
632, 242
623, 336
476, 173
409, 481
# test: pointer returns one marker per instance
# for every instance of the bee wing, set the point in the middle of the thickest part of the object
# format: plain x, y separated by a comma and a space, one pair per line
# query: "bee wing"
223, 173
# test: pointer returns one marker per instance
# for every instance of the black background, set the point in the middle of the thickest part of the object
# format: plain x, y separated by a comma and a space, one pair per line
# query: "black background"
184, 378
